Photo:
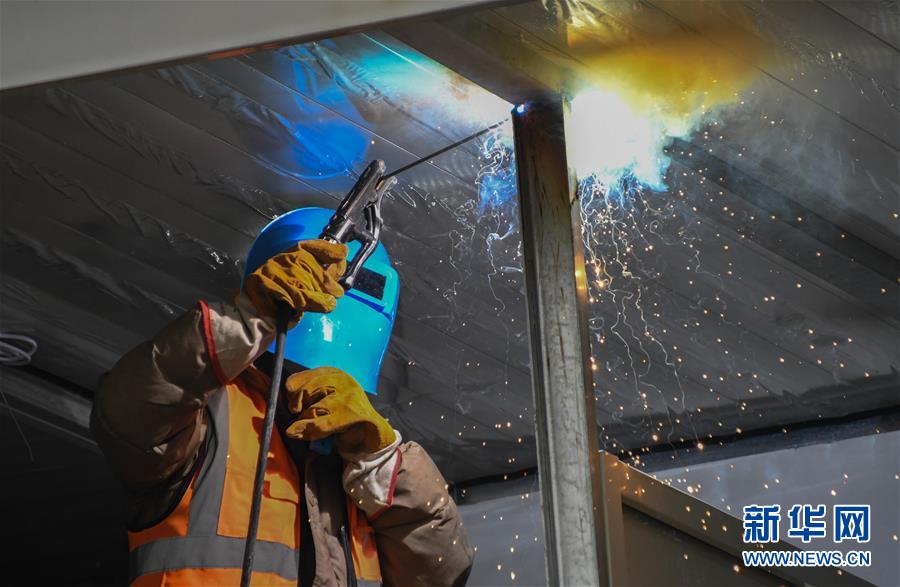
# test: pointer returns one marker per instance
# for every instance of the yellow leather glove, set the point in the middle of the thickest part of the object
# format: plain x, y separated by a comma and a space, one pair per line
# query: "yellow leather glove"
305, 277
330, 402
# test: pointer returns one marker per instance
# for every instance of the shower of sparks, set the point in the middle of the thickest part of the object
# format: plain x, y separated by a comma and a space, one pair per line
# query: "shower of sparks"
625, 225
489, 225
496, 182
485, 256
629, 217
664, 322
641, 236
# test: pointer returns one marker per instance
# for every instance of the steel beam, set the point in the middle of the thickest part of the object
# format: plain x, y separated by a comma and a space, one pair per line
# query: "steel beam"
713, 530
556, 290
61, 39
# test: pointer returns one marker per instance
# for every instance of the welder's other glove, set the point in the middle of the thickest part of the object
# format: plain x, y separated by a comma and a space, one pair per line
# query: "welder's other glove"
304, 277
331, 403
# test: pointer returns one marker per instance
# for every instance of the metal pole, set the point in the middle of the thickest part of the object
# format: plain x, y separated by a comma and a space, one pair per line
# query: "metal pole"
556, 288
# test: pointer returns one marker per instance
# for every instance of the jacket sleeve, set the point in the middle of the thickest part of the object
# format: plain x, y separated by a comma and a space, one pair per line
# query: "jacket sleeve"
418, 529
148, 414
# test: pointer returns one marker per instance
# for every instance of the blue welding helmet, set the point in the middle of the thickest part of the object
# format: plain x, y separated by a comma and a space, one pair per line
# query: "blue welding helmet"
355, 335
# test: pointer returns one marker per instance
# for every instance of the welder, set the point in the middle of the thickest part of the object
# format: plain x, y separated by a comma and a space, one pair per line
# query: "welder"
179, 418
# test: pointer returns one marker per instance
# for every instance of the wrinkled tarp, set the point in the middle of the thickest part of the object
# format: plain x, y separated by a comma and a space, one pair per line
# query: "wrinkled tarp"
126, 199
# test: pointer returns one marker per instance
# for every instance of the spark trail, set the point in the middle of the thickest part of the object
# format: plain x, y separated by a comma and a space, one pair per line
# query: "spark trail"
652, 83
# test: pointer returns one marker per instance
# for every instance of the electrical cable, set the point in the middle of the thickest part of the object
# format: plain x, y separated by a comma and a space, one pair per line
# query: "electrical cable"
282, 318
443, 150
16, 350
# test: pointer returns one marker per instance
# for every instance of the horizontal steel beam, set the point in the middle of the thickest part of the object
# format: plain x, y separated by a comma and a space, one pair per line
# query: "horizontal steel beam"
629, 488
482, 53
61, 39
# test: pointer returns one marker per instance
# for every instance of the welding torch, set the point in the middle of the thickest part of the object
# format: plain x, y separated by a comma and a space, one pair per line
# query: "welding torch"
357, 218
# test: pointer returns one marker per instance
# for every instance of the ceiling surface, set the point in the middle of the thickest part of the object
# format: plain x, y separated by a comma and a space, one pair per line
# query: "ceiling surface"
64, 39
757, 290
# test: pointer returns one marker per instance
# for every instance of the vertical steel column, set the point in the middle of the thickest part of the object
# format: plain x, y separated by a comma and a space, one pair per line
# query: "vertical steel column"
556, 287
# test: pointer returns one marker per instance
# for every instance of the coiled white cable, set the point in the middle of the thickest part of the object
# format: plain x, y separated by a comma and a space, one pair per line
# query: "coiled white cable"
16, 349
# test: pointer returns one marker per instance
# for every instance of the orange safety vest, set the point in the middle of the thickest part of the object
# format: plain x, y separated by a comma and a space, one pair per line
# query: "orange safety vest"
201, 541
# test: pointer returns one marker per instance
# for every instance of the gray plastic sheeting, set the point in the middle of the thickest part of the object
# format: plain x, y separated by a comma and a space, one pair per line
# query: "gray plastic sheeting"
128, 199
769, 297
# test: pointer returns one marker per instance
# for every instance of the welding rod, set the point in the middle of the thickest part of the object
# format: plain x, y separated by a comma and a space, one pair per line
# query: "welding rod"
445, 149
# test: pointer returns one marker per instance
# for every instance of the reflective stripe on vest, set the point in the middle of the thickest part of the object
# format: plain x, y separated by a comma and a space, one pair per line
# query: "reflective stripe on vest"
202, 539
